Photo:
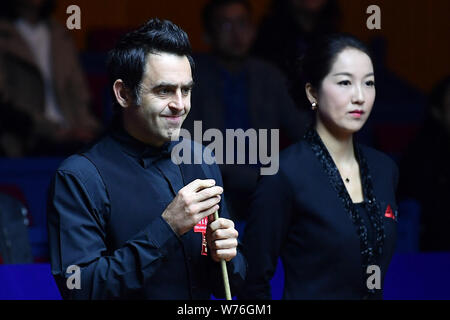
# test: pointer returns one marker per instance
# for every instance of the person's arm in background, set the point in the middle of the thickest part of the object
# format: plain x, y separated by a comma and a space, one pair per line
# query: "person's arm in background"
15, 124
72, 86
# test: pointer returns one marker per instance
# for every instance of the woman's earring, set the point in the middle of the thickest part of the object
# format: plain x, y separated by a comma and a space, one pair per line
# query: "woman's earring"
314, 106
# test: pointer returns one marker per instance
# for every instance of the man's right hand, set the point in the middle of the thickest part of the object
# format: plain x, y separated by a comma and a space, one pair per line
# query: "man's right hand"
197, 200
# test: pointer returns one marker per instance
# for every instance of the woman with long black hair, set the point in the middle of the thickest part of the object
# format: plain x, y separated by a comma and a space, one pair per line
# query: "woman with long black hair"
330, 212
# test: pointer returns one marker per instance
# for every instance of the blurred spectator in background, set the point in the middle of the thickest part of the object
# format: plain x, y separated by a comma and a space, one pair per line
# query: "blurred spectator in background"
236, 91
425, 172
291, 25
398, 111
42, 87
14, 242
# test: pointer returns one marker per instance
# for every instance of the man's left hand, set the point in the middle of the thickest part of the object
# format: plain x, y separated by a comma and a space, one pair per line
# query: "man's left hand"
221, 237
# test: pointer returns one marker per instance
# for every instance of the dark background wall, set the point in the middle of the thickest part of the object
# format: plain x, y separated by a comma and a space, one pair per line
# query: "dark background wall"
417, 32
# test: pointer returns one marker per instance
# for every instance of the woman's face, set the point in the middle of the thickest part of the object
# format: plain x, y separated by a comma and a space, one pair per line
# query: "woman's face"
347, 93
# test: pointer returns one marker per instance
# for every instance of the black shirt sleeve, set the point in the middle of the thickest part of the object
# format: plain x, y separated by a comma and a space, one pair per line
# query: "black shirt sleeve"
77, 209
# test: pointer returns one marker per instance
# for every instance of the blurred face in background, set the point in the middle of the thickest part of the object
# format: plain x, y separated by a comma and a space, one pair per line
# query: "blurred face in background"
33, 10
32, 4
232, 31
308, 6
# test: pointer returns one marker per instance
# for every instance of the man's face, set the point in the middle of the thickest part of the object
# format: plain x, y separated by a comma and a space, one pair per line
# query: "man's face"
232, 34
165, 98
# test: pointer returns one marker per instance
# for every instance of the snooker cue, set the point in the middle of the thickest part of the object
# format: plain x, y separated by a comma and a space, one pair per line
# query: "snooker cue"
223, 265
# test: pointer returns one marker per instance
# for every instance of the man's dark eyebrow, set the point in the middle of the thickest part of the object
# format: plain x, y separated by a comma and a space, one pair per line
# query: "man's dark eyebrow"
172, 85
349, 74
165, 85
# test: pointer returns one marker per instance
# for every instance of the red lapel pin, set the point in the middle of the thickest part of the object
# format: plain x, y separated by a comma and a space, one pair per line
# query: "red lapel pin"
389, 213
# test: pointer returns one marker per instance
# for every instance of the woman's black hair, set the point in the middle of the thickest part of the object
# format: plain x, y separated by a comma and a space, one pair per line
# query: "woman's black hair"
318, 60
127, 60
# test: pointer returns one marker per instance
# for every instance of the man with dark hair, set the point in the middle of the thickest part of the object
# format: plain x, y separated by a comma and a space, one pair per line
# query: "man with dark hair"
135, 223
